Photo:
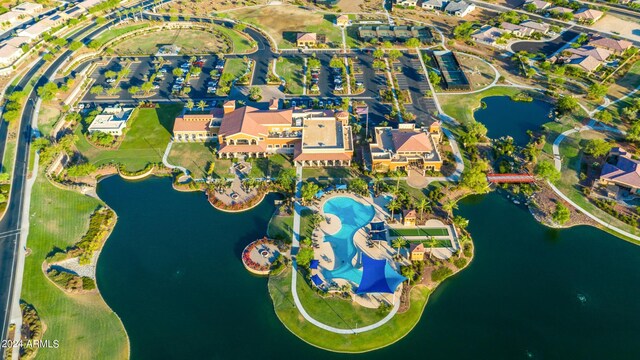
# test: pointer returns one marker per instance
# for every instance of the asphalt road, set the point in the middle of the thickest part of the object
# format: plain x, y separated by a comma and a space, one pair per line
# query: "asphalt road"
11, 220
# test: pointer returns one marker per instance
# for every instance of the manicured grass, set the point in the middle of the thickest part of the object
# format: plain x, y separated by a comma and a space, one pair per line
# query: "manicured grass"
241, 43
330, 172
305, 224
48, 116
83, 323
291, 70
190, 41
145, 141
235, 66
118, 31
392, 331
9, 156
419, 232
280, 227
270, 166
196, 157
461, 107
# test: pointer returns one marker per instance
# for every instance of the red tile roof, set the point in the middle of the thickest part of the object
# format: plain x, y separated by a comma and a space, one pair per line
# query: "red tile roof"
405, 141
251, 121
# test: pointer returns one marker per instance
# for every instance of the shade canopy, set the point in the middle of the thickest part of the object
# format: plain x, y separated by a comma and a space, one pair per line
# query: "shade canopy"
314, 264
316, 280
379, 235
319, 194
378, 276
341, 187
377, 226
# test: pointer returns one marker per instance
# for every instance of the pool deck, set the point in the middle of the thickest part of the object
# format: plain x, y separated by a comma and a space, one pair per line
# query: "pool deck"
325, 254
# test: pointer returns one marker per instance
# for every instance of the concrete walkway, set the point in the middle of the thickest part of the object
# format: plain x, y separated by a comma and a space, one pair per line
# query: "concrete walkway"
295, 246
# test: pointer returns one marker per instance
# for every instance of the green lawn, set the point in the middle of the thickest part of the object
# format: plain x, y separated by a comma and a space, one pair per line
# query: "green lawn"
329, 172
8, 156
118, 31
291, 70
328, 311
235, 66
83, 324
190, 41
461, 107
145, 141
305, 223
241, 44
280, 227
419, 232
270, 166
195, 156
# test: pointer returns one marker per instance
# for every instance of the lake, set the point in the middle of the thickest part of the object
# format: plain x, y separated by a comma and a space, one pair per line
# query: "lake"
503, 117
172, 271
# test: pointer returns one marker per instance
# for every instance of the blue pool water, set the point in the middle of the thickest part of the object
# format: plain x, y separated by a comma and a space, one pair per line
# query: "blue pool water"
353, 216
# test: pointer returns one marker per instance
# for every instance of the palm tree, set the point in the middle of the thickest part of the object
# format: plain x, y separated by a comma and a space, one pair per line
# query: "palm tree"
399, 243
393, 205
449, 206
189, 105
202, 104
422, 206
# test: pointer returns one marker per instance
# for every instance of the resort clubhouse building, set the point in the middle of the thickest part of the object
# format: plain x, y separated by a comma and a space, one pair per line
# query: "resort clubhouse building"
406, 148
312, 137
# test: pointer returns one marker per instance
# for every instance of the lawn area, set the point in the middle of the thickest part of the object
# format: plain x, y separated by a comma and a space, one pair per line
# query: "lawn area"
627, 83
195, 156
9, 156
191, 41
327, 310
290, 68
461, 107
328, 172
145, 141
419, 232
83, 323
241, 43
284, 22
280, 227
117, 31
305, 223
235, 66
48, 116
270, 166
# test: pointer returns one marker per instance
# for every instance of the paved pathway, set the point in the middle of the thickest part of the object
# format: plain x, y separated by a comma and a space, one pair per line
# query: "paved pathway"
295, 245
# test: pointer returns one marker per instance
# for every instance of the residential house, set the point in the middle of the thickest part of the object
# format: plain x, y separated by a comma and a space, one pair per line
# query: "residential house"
17, 41
587, 15
561, 10
587, 63
517, 30
342, 20
434, 4
616, 46
488, 35
72, 13
197, 127
538, 4
459, 8
409, 217
10, 18
600, 54
28, 8
36, 30
405, 148
406, 3
9, 54
417, 251
306, 40
621, 170
542, 28
112, 120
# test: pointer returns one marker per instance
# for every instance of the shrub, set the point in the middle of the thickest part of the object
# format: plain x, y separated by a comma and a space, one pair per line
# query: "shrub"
441, 273
460, 262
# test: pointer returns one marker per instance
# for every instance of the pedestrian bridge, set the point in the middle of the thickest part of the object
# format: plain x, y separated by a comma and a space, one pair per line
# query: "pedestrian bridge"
510, 178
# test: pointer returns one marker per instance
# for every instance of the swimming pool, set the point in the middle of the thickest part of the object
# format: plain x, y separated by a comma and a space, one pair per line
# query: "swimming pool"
353, 216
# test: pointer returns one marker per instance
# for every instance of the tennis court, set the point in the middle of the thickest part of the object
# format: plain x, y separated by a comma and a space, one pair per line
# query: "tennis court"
419, 232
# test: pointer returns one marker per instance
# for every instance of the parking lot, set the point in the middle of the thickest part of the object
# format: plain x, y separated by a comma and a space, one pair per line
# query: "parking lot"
413, 79
165, 84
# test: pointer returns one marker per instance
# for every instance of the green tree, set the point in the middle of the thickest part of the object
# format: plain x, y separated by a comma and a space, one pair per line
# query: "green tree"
464, 30
255, 93
598, 147
561, 215
177, 72
96, 90
287, 179
134, 90
434, 78
81, 170
460, 222
399, 243
604, 117
76, 45
202, 105
304, 257
147, 87
11, 115
412, 43
358, 186
633, 134
48, 91
394, 54
394, 205
547, 170
309, 190
110, 74
597, 91
567, 104
423, 206
378, 54
475, 179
